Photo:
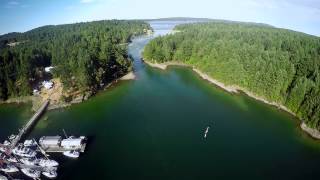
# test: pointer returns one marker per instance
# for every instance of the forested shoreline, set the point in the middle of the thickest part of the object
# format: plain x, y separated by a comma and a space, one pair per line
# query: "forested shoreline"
85, 56
278, 65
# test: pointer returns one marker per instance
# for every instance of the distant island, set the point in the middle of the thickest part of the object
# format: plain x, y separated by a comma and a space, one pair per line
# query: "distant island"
198, 20
75, 60
278, 66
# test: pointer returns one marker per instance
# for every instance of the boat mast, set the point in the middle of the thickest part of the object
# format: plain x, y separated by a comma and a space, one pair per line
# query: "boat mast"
64, 132
41, 150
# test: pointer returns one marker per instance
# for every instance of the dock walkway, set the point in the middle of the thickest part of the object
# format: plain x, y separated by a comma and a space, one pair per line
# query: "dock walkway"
27, 126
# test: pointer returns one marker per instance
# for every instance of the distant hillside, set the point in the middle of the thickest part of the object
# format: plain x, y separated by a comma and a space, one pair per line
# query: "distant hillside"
181, 19
188, 19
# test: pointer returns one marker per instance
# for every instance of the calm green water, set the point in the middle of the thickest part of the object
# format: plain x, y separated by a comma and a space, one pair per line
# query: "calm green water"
153, 128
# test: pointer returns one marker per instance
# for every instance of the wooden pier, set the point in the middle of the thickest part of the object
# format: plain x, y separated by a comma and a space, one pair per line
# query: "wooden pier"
28, 126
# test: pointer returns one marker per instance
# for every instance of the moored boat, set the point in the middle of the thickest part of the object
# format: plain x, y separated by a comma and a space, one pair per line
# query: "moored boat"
72, 154
47, 163
29, 143
12, 159
8, 158
6, 143
9, 168
22, 151
50, 175
3, 149
12, 137
31, 173
3, 177
28, 161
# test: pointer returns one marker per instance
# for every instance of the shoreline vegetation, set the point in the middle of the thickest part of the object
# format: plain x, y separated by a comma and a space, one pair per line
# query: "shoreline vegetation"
314, 133
276, 66
57, 103
79, 60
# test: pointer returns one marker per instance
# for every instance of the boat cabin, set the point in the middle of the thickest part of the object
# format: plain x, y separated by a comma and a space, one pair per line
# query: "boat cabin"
72, 143
50, 141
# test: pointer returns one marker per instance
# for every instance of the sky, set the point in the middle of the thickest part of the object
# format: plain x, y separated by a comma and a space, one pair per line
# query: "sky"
24, 15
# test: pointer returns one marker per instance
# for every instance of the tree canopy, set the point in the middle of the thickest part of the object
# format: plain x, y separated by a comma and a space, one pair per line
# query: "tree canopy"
278, 64
85, 55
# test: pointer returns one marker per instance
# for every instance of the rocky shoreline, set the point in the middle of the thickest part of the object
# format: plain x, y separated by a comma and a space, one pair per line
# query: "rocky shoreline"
236, 89
312, 132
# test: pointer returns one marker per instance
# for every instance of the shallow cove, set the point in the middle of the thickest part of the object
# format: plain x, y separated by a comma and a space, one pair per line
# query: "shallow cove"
153, 128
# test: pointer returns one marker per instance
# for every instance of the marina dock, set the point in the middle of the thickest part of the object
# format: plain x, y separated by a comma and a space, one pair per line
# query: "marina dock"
28, 126
25, 156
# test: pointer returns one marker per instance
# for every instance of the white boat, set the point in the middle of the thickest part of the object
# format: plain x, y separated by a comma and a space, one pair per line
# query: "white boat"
72, 154
50, 175
3, 149
4, 146
206, 132
30, 143
22, 151
47, 163
28, 161
9, 168
6, 143
12, 137
31, 173
83, 137
8, 158
3, 177
12, 159
73, 143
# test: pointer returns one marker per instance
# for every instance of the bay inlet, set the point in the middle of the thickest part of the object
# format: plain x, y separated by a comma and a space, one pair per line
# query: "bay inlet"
153, 128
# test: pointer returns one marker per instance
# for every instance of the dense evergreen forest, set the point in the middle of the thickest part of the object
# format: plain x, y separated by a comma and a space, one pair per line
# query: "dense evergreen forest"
85, 56
277, 64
